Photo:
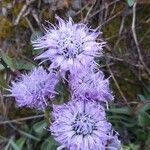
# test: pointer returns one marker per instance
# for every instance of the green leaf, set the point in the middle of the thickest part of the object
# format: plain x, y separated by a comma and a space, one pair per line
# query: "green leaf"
141, 134
39, 126
125, 111
49, 144
130, 2
29, 135
142, 98
146, 107
7, 146
1, 67
120, 117
14, 145
130, 147
7, 60
20, 142
144, 119
144, 115
35, 35
21, 64
134, 147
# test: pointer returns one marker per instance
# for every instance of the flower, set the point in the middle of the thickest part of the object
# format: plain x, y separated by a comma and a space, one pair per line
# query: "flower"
33, 89
114, 143
69, 46
80, 125
90, 84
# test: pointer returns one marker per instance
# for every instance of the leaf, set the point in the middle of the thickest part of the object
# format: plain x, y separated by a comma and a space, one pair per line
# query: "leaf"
130, 2
1, 67
20, 142
125, 111
134, 147
7, 60
39, 126
144, 119
7, 146
35, 35
142, 98
29, 135
49, 144
146, 107
141, 134
14, 145
120, 117
21, 64
144, 115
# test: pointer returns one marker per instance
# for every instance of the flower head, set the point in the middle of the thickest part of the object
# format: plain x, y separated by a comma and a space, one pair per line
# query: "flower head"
69, 46
90, 85
80, 125
114, 143
33, 89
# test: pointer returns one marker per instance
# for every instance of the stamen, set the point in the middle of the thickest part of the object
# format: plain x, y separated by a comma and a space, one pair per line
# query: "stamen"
83, 124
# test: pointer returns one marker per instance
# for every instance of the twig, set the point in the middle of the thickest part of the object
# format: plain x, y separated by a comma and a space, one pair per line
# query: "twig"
2, 104
84, 7
87, 15
21, 119
107, 11
145, 34
30, 25
113, 17
35, 16
98, 11
24, 8
122, 60
120, 32
136, 40
112, 11
117, 85
24, 133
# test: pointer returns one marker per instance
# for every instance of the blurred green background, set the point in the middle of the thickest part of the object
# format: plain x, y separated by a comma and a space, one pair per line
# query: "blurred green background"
126, 29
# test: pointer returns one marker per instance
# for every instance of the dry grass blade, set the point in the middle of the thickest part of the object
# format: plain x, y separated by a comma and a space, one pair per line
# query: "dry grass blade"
136, 40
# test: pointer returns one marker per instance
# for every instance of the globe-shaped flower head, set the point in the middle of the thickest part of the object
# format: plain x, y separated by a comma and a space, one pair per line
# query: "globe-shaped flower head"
69, 46
81, 125
90, 85
34, 89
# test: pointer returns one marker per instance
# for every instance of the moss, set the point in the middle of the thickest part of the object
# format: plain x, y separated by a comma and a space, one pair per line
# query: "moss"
23, 23
16, 9
111, 29
47, 15
15, 12
119, 7
5, 27
5, 2
129, 89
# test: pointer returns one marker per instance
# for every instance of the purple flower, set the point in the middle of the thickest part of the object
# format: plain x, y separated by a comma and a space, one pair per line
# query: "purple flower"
33, 89
90, 84
69, 46
80, 125
114, 143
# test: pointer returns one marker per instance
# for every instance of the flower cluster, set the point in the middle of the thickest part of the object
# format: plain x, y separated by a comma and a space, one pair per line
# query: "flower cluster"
34, 89
69, 46
80, 124
91, 85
